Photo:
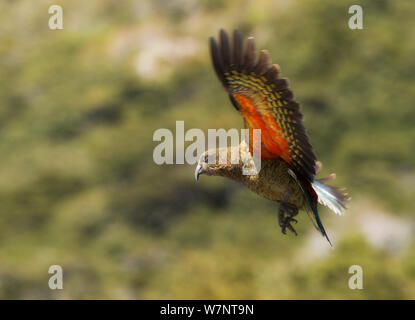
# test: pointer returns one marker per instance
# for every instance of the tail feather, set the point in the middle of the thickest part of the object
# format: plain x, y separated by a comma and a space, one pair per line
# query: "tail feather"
331, 197
312, 205
315, 218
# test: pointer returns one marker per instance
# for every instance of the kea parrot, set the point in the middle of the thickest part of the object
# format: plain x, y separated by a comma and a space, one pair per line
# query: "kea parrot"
288, 163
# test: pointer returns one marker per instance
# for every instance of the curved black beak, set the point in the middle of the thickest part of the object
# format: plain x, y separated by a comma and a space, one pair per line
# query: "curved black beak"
198, 171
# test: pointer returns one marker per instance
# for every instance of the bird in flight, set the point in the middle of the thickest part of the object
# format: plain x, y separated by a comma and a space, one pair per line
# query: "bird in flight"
288, 163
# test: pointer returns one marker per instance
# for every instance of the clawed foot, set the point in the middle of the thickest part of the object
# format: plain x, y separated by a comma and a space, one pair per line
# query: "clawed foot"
286, 212
287, 224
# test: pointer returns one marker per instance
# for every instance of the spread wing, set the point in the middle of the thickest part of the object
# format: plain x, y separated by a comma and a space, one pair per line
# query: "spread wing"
264, 100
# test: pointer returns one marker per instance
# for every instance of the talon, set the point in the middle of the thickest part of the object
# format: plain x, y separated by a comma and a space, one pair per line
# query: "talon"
286, 212
289, 226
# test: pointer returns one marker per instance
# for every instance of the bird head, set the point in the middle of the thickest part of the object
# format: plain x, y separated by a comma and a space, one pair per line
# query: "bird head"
218, 162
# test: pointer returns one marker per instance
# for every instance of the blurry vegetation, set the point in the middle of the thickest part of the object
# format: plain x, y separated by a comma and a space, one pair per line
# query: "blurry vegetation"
79, 188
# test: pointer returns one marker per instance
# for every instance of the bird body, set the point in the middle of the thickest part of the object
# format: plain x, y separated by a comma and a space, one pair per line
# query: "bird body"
271, 182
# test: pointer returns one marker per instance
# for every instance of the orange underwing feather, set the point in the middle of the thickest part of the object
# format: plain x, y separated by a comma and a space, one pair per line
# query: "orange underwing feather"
264, 100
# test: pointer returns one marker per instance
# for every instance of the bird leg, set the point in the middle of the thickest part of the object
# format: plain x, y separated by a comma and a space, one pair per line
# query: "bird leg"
286, 212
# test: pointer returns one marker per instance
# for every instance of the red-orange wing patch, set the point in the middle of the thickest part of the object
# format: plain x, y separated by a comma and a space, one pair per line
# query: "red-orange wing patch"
265, 102
273, 141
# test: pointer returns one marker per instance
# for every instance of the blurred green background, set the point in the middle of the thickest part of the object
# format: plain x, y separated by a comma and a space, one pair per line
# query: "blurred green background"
79, 188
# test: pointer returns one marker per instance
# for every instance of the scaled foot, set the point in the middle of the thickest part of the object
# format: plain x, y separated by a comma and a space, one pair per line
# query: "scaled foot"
286, 212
